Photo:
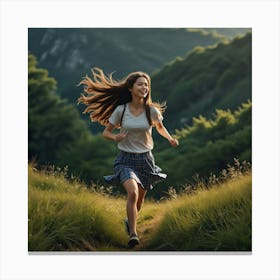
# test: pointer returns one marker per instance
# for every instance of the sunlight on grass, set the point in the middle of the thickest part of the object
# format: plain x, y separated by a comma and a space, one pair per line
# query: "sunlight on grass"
215, 219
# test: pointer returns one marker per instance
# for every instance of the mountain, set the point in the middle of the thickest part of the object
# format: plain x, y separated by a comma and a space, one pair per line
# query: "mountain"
207, 78
69, 53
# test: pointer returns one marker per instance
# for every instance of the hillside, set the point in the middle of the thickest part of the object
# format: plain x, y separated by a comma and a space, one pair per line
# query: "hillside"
208, 78
67, 216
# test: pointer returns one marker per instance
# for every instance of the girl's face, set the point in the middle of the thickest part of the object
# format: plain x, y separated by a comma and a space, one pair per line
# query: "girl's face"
140, 88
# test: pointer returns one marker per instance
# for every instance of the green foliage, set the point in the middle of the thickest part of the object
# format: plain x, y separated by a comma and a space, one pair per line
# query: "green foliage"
53, 125
58, 136
90, 160
207, 146
212, 77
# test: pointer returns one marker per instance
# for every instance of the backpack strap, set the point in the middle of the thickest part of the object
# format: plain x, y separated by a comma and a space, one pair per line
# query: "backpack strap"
124, 105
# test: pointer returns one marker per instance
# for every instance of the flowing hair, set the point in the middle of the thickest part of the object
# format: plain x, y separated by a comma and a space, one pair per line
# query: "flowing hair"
102, 94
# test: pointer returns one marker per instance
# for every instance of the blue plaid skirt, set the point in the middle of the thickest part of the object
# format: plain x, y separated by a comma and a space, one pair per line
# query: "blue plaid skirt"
140, 167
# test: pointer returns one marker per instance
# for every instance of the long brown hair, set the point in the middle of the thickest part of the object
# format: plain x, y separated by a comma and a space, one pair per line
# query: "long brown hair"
104, 94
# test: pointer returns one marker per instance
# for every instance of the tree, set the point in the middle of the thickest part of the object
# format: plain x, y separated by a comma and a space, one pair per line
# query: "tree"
53, 125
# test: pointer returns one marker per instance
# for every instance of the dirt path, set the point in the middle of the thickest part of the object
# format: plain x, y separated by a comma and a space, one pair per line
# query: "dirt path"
147, 226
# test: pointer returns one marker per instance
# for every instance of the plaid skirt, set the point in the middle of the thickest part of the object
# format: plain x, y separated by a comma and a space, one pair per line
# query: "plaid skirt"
140, 167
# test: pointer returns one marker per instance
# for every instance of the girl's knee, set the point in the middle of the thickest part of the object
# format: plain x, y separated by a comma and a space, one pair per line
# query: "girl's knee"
131, 188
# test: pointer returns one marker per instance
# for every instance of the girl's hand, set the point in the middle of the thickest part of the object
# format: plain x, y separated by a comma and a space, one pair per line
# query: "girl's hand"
119, 137
173, 142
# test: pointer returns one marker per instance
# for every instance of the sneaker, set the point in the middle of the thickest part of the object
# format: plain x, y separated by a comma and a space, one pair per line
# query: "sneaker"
126, 226
133, 240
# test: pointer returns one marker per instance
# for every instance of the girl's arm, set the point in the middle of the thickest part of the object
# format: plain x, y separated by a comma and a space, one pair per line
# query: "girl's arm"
107, 133
164, 133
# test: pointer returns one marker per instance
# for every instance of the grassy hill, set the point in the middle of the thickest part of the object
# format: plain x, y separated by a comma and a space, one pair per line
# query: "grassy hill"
68, 216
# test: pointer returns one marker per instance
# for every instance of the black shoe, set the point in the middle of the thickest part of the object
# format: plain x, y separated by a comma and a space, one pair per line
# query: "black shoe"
133, 240
126, 226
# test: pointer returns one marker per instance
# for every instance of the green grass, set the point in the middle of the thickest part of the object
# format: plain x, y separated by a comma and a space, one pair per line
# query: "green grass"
66, 216
218, 219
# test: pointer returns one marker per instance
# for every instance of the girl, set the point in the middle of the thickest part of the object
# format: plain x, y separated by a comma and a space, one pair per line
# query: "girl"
128, 105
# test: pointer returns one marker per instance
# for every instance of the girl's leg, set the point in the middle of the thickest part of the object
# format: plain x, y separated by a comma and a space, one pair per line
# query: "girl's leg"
131, 188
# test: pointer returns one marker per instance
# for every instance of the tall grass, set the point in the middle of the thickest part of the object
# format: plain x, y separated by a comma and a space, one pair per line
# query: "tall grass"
217, 219
68, 216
